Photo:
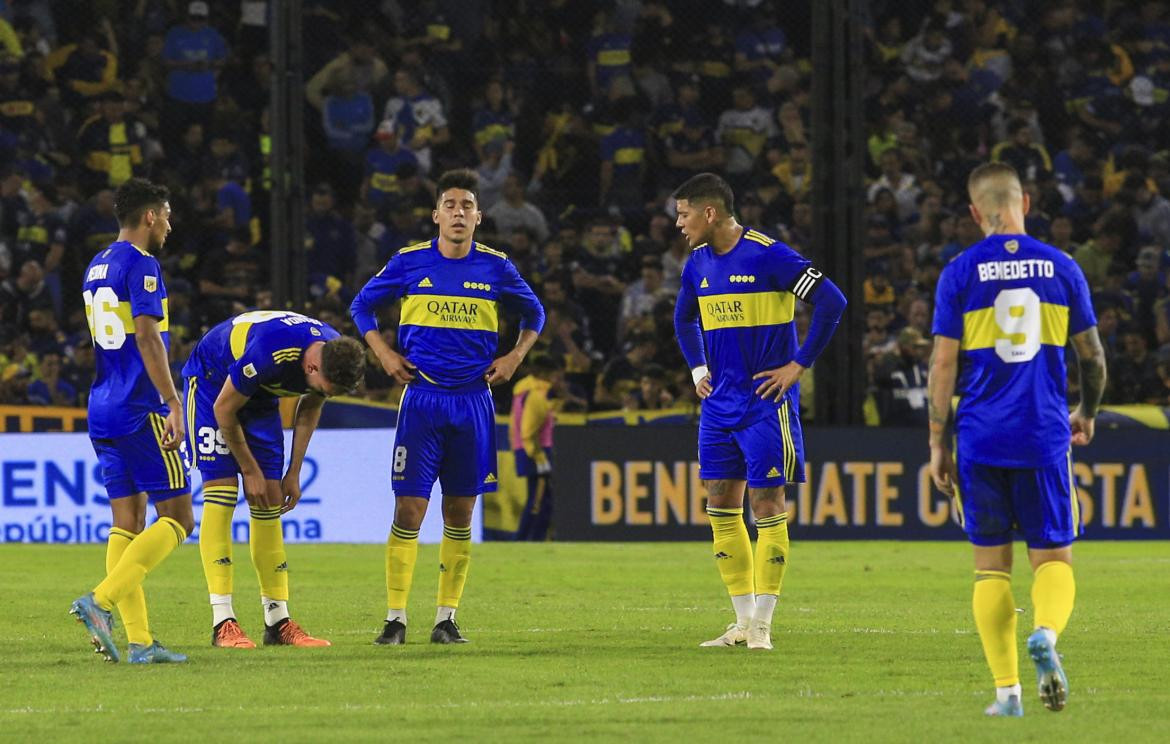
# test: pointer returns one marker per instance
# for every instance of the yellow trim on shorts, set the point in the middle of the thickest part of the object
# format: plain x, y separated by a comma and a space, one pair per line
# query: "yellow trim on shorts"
171, 459
789, 445
1072, 491
192, 382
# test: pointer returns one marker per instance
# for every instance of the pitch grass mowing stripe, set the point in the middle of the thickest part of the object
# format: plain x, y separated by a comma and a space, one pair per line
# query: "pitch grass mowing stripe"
874, 642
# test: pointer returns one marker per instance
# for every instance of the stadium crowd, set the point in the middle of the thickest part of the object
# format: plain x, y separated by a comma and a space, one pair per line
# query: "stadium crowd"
580, 118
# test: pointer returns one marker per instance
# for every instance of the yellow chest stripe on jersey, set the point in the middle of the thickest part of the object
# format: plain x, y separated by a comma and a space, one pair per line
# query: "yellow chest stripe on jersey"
746, 310
122, 310
981, 329
450, 311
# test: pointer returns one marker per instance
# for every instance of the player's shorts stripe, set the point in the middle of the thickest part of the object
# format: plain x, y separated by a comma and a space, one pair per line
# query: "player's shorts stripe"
981, 329
1075, 502
191, 383
958, 501
789, 445
170, 458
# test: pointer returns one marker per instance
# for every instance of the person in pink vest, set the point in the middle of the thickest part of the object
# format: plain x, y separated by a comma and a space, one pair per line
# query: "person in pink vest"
530, 431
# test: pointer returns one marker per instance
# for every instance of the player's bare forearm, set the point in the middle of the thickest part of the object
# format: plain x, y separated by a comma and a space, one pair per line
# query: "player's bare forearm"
305, 421
1091, 363
154, 357
944, 366
524, 343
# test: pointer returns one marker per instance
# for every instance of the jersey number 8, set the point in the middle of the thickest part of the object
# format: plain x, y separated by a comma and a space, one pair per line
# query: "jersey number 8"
1018, 315
105, 326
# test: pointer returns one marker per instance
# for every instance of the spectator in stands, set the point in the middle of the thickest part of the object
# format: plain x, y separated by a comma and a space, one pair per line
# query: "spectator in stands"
1029, 159
23, 293
347, 116
44, 335
1097, 255
332, 252
1147, 287
653, 392
50, 388
514, 211
627, 368
924, 55
494, 170
110, 145
1061, 235
96, 225
419, 117
742, 131
795, 171
900, 376
194, 53
1087, 205
380, 187
360, 64
86, 69
623, 161
607, 54
1150, 210
640, 297
596, 281
229, 277
691, 150
902, 185
1134, 375
496, 118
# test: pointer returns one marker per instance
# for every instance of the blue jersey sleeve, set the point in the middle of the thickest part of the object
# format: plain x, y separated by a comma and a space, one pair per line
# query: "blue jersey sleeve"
145, 287
1080, 302
686, 320
784, 269
948, 315
254, 368
387, 286
516, 295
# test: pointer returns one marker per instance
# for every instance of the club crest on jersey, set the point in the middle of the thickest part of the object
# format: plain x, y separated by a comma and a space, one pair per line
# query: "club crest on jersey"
1012, 246
249, 370
150, 283
314, 331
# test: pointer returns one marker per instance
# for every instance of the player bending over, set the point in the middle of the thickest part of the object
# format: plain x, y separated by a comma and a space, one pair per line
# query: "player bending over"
1005, 310
734, 324
451, 289
235, 375
135, 421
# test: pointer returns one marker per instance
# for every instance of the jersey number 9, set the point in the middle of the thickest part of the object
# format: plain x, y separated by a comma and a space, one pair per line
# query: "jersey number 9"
101, 311
1018, 315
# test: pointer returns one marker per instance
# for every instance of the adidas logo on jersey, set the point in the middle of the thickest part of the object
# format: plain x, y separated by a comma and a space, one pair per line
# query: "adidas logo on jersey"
703, 284
426, 282
773, 473
491, 478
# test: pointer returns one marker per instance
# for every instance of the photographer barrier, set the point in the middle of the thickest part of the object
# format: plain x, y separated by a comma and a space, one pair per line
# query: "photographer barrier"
51, 491
861, 483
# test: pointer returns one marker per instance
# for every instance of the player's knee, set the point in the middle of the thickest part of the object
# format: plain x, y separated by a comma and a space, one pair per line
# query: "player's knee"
457, 511
768, 502
409, 512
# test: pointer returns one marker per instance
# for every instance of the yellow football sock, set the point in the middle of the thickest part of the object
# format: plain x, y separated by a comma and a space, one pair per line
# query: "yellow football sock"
733, 550
215, 537
454, 561
401, 555
1053, 593
266, 541
132, 608
144, 553
995, 617
771, 553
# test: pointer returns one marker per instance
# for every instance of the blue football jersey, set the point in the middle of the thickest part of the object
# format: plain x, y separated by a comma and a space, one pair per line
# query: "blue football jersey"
261, 351
121, 283
1012, 303
745, 301
450, 309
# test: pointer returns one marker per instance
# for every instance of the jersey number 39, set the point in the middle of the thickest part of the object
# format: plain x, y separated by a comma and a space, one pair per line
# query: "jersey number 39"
1018, 315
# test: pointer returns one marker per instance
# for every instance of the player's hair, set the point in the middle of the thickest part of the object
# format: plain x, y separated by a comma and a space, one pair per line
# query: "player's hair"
990, 171
460, 178
134, 197
343, 362
706, 187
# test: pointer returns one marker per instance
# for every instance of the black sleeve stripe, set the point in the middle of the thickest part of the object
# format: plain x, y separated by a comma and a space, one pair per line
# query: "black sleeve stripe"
807, 282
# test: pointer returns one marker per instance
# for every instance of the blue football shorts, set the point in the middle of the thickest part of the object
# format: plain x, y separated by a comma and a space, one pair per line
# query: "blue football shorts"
767, 453
260, 420
137, 463
449, 436
1040, 504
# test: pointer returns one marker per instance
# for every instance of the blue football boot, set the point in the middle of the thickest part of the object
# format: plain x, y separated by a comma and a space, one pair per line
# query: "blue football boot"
155, 653
1049, 672
99, 623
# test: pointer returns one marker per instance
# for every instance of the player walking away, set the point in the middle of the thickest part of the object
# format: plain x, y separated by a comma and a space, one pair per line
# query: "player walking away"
135, 421
734, 321
1005, 310
234, 376
451, 289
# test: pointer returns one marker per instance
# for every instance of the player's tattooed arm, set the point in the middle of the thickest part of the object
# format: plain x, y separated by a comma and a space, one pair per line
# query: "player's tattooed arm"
944, 366
1091, 363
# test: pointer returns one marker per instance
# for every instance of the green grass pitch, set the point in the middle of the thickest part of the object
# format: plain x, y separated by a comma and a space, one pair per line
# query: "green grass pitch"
874, 642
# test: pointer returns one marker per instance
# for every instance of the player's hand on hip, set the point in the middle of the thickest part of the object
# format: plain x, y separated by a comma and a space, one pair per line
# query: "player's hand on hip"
502, 369
1082, 427
256, 490
173, 429
703, 387
942, 470
777, 381
290, 489
397, 366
